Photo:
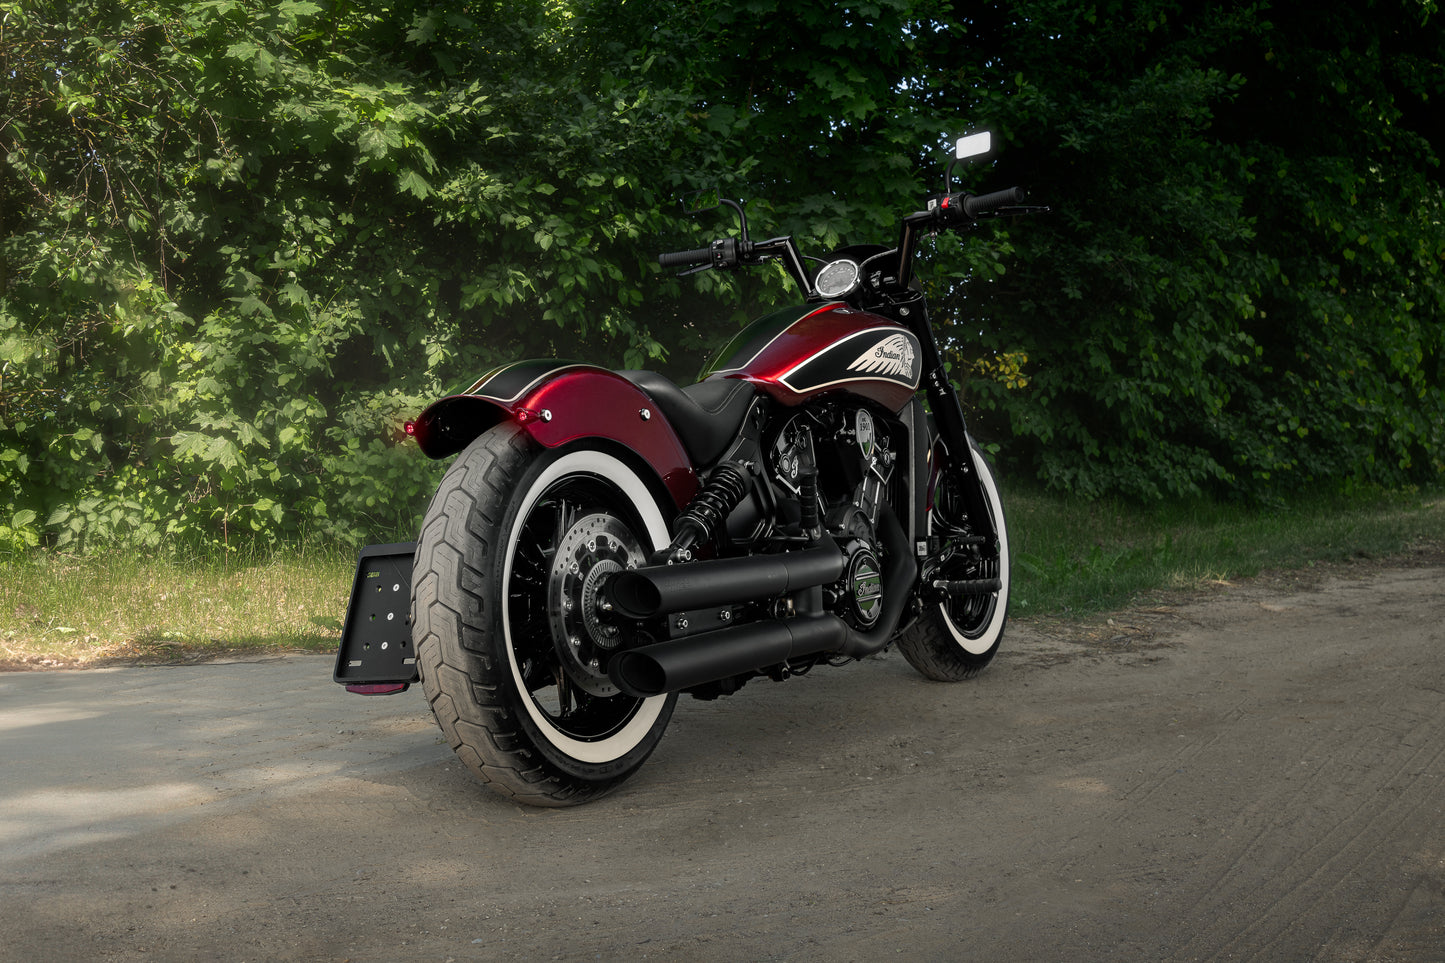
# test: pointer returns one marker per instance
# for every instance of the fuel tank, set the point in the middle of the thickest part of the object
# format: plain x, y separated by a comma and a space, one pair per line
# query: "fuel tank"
798, 353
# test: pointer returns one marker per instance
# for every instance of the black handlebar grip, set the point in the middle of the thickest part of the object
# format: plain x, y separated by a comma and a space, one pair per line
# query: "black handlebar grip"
702, 255
983, 203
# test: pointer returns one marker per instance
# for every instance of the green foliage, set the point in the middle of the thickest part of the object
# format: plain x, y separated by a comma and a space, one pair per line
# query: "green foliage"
1189, 324
1240, 287
1073, 557
241, 241
61, 609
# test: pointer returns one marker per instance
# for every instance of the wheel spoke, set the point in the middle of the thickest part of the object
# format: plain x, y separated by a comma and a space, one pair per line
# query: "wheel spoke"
572, 539
566, 514
561, 692
963, 557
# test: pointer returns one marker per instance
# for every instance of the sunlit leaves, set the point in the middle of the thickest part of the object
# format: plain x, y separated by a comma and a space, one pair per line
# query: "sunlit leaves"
240, 241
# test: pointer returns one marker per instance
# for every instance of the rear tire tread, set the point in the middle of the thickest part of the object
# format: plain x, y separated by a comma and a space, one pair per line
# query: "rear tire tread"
464, 666
485, 734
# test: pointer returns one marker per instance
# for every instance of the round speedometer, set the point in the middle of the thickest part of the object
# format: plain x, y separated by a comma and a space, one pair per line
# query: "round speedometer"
837, 279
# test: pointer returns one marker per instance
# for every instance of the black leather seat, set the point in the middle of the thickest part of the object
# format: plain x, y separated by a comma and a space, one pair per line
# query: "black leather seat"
706, 415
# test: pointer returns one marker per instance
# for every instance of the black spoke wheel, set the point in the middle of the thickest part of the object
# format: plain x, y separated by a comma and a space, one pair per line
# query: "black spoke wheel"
956, 637
512, 643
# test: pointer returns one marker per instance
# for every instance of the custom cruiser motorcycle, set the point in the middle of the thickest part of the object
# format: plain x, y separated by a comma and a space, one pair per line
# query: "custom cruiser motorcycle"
606, 540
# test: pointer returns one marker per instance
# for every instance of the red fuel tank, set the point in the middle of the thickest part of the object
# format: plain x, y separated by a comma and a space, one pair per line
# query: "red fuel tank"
801, 352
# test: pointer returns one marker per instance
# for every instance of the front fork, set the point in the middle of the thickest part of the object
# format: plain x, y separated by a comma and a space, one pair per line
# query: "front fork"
948, 418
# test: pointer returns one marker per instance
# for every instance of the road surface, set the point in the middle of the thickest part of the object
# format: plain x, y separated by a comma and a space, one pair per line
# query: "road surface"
1251, 772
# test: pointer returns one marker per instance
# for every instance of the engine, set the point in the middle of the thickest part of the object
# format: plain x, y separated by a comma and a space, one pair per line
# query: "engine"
834, 465
796, 551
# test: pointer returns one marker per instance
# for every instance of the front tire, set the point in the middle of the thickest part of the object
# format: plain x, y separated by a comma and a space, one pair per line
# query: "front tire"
512, 653
953, 640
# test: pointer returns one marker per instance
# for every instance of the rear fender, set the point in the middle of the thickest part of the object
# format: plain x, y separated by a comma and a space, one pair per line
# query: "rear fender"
558, 403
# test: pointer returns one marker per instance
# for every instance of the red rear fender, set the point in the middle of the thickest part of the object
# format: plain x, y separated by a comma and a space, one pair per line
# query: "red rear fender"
557, 403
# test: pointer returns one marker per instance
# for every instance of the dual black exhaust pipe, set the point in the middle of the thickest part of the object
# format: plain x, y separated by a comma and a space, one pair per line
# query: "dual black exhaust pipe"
683, 663
642, 593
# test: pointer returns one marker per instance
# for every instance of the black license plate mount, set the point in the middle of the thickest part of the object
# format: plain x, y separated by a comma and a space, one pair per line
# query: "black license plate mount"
377, 655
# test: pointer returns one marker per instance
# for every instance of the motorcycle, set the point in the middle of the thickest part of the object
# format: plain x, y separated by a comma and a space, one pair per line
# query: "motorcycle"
606, 540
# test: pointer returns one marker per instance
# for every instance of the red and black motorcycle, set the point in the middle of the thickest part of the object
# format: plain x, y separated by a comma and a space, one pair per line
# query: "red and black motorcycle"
606, 540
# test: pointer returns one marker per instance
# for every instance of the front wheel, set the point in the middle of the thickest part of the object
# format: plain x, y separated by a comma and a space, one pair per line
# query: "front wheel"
512, 650
952, 640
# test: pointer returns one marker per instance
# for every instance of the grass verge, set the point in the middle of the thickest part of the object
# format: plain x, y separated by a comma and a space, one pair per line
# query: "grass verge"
1081, 558
60, 610
1072, 559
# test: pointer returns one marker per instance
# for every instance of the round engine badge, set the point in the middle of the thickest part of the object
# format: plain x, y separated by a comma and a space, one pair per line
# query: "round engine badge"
866, 582
864, 432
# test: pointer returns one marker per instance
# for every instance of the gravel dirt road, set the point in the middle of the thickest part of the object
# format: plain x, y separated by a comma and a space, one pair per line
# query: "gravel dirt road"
1251, 772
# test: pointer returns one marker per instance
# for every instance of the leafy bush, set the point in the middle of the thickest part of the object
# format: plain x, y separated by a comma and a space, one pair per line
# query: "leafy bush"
1239, 289
242, 240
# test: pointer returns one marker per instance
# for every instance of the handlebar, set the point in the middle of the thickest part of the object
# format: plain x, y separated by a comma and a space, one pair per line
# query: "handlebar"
984, 203
702, 255
729, 252
952, 210
972, 205
944, 211
724, 253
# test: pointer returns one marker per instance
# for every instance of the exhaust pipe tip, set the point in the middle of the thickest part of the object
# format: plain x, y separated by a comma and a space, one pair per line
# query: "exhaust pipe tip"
635, 596
637, 676
680, 664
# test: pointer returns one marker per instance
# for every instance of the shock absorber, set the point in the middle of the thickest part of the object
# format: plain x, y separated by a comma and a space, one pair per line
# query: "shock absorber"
808, 493
723, 492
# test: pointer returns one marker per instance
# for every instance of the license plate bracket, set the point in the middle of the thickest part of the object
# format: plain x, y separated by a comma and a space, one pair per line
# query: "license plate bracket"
377, 654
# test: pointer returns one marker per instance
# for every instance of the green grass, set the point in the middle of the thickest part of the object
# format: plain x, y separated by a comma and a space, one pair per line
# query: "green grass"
63, 610
1071, 559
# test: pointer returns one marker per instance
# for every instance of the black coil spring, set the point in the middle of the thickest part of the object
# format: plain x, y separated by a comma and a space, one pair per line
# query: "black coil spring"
808, 493
725, 488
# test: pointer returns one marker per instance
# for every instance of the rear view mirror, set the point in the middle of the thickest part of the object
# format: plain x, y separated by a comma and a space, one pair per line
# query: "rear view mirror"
973, 145
700, 202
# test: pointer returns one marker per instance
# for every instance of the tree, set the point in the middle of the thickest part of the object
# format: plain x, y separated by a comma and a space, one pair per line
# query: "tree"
241, 240
1239, 289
